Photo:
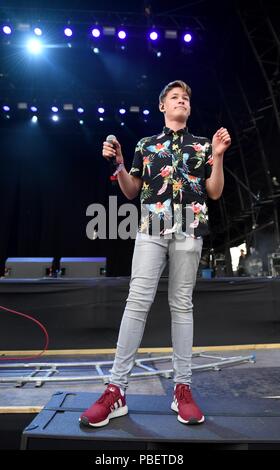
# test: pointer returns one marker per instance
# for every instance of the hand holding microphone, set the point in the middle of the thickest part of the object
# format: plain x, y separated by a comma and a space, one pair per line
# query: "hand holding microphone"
112, 150
113, 153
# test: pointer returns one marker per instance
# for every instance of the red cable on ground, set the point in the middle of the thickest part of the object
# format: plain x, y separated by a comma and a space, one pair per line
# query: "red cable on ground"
29, 317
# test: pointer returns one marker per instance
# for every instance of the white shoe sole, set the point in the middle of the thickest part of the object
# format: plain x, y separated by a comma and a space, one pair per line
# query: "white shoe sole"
115, 414
174, 407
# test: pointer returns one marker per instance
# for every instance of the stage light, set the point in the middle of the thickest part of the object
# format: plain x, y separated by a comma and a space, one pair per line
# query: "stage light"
95, 50
122, 111
6, 108
101, 119
80, 110
68, 32
171, 34
159, 54
187, 37
101, 110
109, 31
34, 109
146, 112
81, 122
34, 46
34, 119
68, 107
38, 31
22, 105
7, 29
95, 32
122, 34
153, 35
122, 123
54, 109
23, 27
134, 109
55, 118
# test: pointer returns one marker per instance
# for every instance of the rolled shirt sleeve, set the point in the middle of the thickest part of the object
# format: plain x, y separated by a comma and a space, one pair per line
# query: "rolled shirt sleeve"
137, 163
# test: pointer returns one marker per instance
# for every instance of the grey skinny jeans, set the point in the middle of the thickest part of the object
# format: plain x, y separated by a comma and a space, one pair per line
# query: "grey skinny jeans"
149, 259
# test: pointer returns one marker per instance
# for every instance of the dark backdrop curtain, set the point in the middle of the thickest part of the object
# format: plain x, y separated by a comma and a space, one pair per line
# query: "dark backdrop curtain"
49, 174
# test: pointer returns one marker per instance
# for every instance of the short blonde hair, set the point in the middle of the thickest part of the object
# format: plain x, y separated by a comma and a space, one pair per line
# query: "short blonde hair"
175, 84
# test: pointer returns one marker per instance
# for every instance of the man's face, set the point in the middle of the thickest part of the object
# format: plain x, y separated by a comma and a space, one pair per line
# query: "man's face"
176, 105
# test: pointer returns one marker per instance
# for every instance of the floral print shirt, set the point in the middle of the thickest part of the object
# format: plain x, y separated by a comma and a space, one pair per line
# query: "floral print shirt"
173, 167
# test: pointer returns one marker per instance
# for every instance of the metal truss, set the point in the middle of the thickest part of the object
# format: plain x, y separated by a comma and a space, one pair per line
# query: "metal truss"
129, 19
247, 211
40, 373
264, 40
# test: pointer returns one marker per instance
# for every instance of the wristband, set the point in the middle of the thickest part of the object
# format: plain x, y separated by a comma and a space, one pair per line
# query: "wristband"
120, 167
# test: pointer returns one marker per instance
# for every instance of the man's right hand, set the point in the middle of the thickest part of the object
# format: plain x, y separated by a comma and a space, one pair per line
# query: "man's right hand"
111, 150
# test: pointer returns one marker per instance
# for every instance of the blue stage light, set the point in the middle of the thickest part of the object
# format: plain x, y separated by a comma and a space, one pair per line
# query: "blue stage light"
153, 35
34, 46
7, 29
95, 32
187, 37
68, 32
122, 34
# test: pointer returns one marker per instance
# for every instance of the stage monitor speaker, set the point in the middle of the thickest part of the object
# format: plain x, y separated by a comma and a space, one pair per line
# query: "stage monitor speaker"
28, 268
274, 264
220, 267
82, 267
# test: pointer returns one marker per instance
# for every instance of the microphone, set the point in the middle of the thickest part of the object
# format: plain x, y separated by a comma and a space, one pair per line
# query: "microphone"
113, 162
110, 139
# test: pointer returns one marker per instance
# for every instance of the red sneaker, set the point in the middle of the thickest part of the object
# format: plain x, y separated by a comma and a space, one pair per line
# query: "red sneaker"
111, 404
184, 404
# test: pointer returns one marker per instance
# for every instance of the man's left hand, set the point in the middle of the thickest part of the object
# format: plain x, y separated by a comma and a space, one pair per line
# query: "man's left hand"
220, 142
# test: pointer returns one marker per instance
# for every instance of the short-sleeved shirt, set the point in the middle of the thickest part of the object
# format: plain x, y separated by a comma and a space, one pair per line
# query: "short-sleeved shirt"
173, 166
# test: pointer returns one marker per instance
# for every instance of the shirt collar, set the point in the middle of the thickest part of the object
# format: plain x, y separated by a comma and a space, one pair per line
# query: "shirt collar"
168, 131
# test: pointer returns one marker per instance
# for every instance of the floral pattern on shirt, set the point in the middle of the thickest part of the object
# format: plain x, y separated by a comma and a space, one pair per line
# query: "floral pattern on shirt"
174, 167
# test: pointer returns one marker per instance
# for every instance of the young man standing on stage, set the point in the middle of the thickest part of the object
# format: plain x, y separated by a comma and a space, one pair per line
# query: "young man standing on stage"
175, 172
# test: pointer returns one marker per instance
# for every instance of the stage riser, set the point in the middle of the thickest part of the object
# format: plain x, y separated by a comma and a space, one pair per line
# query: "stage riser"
151, 424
